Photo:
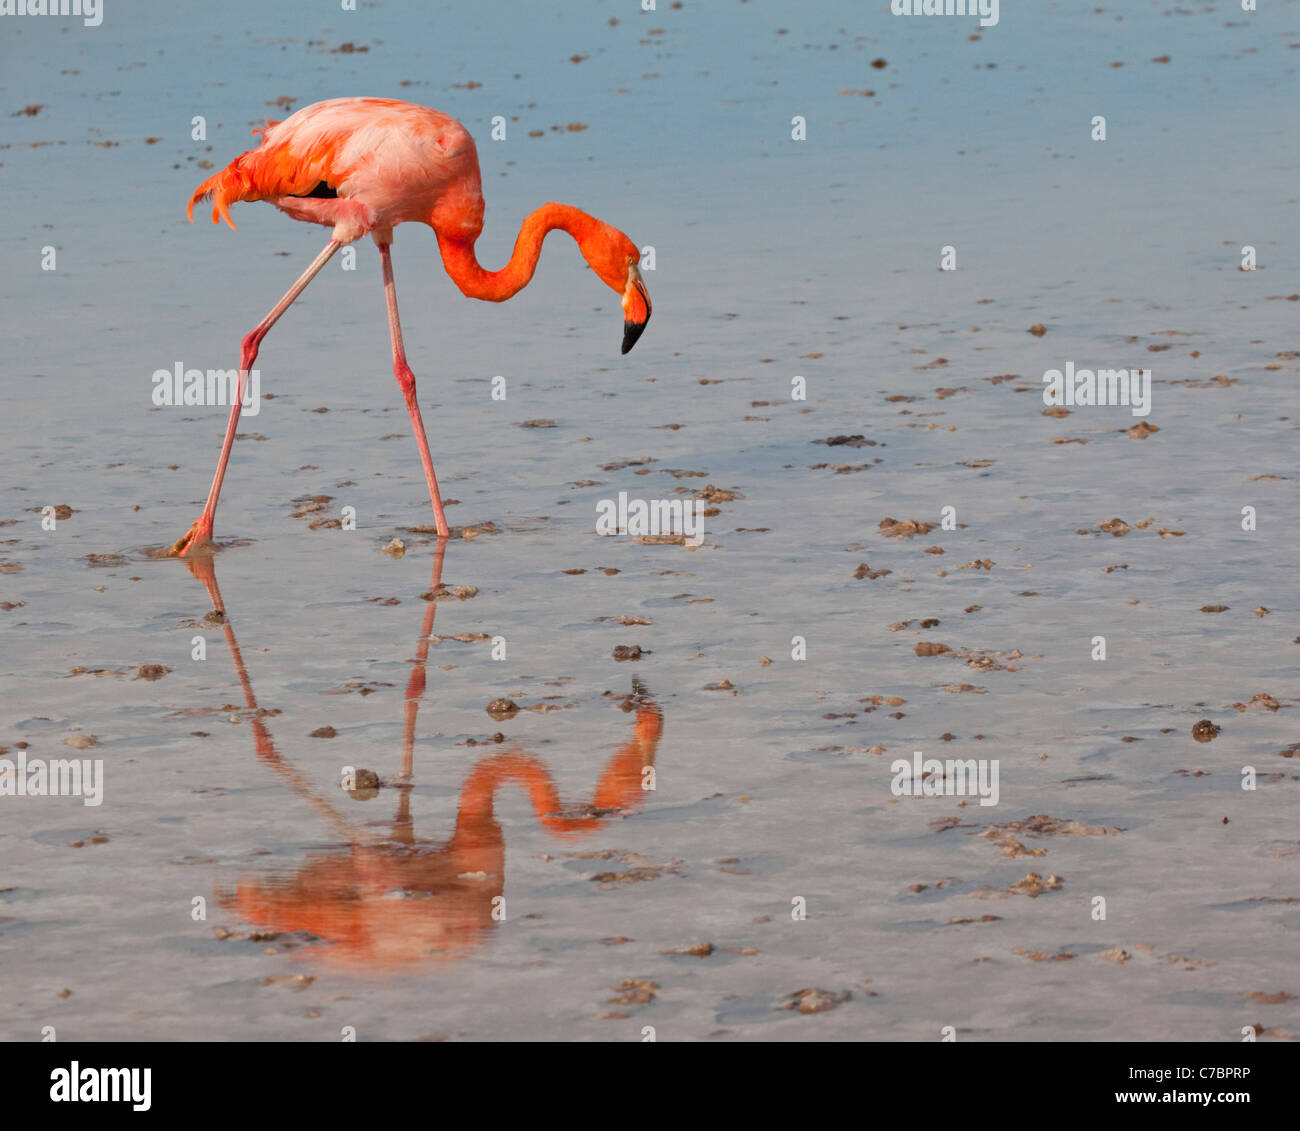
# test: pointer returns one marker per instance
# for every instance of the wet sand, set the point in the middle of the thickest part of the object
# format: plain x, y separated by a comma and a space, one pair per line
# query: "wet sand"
380, 906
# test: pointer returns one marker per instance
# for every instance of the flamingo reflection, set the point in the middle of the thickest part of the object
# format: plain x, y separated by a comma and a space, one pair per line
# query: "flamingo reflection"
383, 901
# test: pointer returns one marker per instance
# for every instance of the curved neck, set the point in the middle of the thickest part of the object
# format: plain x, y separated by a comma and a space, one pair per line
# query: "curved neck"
496, 286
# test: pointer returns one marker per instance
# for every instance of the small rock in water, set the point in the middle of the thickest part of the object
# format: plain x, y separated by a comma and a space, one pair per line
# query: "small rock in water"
502, 708
365, 785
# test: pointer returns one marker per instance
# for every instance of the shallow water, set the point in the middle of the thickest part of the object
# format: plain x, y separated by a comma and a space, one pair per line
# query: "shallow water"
774, 259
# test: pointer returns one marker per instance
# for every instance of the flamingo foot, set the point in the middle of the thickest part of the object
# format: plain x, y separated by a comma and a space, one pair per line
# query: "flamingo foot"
199, 535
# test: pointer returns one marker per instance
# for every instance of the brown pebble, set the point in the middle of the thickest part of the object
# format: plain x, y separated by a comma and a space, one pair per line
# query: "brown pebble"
367, 780
814, 1000
1259, 997
634, 991
865, 571
931, 648
1034, 885
502, 708
695, 950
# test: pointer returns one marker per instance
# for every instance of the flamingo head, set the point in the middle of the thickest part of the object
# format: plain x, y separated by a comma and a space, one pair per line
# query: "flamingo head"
636, 304
616, 259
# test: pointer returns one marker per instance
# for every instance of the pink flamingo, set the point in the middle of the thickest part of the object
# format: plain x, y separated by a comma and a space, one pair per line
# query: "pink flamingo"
363, 166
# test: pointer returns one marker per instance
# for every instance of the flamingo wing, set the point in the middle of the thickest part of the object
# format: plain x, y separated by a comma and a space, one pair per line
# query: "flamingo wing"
397, 158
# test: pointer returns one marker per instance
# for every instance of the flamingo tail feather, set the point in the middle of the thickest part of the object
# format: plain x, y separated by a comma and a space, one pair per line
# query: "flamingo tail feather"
223, 189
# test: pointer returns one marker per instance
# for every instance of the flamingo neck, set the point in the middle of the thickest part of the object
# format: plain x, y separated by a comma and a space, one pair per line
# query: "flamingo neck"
469, 275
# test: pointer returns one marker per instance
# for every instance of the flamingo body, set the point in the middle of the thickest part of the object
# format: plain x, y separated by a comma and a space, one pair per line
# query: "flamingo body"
361, 166
389, 162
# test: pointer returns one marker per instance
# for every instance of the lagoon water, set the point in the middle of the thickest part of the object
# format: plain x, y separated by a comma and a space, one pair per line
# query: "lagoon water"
499, 875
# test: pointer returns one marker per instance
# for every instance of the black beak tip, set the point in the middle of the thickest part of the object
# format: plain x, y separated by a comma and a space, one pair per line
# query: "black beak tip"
631, 332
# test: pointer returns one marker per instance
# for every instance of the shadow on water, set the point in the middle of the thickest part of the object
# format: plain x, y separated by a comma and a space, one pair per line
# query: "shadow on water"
395, 900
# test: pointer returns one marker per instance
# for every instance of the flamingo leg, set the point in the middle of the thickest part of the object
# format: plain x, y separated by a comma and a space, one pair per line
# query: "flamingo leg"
406, 381
200, 533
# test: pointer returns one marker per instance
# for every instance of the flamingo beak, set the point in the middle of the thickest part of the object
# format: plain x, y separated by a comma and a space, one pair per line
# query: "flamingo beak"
636, 307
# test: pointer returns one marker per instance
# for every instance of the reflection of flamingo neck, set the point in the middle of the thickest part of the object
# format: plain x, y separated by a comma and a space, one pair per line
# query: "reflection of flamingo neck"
619, 787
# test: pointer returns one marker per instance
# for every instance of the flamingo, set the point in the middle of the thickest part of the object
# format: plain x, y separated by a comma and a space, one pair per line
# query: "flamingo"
362, 166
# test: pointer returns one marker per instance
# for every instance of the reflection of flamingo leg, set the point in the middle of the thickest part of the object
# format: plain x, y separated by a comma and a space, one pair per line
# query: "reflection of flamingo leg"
415, 685
203, 569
